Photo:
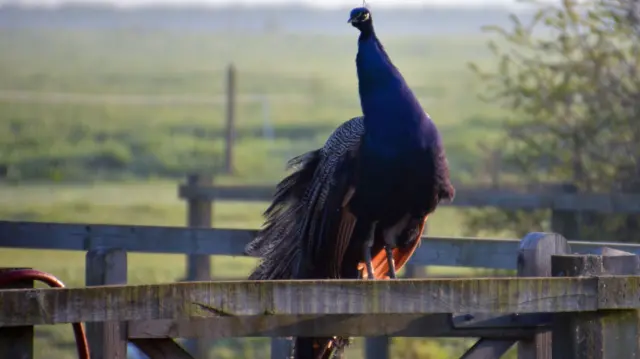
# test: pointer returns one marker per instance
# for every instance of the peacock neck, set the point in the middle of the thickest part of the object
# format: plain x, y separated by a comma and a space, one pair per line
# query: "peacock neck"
375, 70
391, 111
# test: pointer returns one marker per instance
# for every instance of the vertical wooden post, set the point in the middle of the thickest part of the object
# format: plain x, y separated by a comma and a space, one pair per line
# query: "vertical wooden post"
604, 334
231, 119
379, 347
199, 214
565, 222
534, 260
16, 342
107, 340
412, 270
280, 348
376, 347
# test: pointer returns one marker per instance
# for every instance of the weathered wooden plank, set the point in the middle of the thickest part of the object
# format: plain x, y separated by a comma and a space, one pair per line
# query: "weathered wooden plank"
392, 325
147, 239
488, 349
534, 260
465, 197
203, 299
443, 251
222, 193
17, 342
107, 340
602, 334
161, 349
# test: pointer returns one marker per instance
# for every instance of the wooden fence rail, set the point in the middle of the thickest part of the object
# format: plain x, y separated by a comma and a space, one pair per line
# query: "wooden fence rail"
531, 310
580, 306
553, 198
441, 251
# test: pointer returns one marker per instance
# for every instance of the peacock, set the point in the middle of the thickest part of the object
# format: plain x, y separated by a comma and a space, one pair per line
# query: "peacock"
356, 208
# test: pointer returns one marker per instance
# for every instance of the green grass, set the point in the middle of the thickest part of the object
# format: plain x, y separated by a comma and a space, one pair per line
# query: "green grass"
72, 141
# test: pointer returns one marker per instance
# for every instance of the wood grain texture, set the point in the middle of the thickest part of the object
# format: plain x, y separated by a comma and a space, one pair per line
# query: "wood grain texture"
465, 197
534, 260
161, 349
17, 342
107, 340
394, 325
331, 297
602, 334
442, 251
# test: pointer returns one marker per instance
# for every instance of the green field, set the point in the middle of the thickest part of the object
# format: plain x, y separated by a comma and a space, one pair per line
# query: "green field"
120, 164
309, 80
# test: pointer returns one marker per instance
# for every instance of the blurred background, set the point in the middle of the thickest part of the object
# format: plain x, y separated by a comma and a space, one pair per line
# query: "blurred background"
105, 106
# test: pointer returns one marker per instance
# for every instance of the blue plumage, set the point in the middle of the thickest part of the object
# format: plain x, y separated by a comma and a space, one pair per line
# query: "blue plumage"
402, 167
392, 112
381, 191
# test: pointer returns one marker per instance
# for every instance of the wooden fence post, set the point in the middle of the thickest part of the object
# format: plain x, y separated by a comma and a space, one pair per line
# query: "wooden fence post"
16, 342
199, 214
534, 260
107, 340
231, 119
280, 348
380, 347
597, 335
565, 222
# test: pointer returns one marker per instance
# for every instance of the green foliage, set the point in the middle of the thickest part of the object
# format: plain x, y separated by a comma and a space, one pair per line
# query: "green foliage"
569, 80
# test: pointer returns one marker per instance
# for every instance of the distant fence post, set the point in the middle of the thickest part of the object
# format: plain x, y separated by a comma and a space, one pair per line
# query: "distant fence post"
104, 266
16, 342
562, 221
280, 348
199, 214
231, 119
602, 334
534, 260
380, 347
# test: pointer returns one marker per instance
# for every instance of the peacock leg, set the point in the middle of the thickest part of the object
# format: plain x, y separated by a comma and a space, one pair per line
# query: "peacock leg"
390, 261
368, 243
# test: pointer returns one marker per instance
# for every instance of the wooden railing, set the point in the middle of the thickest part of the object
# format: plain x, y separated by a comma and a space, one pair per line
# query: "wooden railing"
499, 311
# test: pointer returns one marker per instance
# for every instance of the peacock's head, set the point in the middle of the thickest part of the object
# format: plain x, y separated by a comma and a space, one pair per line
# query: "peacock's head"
360, 17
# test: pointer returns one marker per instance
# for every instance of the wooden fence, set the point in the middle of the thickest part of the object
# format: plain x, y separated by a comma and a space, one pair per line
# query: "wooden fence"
109, 244
591, 314
500, 311
562, 199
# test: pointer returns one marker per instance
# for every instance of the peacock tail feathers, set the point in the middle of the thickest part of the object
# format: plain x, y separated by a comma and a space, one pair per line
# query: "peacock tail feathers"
298, 200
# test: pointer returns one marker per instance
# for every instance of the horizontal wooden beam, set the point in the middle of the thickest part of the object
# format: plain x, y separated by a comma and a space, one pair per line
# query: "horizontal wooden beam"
316, 297
442, 251
148, 239
465, 197
395, 325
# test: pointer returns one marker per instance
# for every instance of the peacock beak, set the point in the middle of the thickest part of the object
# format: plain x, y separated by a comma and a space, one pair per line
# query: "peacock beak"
350, 21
